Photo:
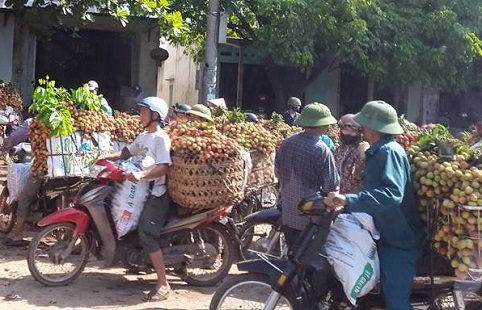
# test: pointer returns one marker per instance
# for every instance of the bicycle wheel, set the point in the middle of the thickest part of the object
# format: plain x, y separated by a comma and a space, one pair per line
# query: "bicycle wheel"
248, 291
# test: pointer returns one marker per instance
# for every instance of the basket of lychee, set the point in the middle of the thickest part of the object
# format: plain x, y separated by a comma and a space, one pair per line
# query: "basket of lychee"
207, 168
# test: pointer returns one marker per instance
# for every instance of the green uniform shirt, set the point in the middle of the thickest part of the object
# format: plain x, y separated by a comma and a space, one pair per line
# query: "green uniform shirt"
388, 195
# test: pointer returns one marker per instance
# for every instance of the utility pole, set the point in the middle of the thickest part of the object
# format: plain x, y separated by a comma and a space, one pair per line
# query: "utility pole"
209, 70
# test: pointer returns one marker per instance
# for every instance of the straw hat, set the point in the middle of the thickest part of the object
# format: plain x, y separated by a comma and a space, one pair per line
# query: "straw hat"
201, 111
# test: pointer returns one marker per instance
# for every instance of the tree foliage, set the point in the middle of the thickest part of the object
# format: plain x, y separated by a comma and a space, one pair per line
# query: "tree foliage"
434, 41
124, 11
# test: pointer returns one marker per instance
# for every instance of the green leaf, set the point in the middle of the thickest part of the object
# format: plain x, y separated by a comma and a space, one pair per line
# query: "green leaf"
123, 13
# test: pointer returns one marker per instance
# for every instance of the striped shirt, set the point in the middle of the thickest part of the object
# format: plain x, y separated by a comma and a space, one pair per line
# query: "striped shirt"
304, 166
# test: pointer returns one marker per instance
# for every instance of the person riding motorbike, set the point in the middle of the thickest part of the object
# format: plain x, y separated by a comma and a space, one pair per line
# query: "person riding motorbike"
388, 196
151, 150
28, 195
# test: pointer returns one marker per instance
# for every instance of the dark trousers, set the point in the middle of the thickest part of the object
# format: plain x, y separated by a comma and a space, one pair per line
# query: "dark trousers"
153, 218
397, 269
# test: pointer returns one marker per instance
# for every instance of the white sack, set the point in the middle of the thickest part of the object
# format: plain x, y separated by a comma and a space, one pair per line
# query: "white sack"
128, 201
352, 252
17, 176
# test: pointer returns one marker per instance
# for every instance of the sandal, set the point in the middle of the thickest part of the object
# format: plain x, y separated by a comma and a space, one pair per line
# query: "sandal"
157, 295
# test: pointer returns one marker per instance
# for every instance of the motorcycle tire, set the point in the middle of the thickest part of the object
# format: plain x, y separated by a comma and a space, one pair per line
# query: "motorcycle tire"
216, 269
43, 259
7, 212
258, 236
249, 291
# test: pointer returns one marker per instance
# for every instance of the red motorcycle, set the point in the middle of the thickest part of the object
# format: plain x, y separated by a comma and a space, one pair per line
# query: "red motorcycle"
196, 246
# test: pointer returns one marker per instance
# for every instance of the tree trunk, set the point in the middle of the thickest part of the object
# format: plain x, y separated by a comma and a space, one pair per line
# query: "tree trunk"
396, 98
370, 88
208, 90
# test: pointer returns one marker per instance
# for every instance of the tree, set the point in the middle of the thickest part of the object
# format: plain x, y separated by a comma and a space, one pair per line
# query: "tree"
299, 37
389, 42
435, 42
171, 22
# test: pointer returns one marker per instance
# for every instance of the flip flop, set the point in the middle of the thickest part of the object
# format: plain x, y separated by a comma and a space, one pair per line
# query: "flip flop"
157, 295
10, 242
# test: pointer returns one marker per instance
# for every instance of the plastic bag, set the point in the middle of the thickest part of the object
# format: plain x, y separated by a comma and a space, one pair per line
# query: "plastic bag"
352, 252
17, 176
128, 202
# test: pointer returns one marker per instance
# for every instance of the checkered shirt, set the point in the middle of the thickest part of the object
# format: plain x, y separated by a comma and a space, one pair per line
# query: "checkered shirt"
304, 165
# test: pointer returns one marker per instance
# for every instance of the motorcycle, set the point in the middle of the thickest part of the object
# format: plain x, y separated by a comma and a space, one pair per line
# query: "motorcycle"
195, 245
54, 194
304, 280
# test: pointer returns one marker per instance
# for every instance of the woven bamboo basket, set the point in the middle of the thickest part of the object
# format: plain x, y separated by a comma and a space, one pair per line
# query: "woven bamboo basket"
262, 172
199, 185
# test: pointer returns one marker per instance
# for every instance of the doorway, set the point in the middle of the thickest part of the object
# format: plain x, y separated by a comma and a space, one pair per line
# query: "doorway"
72, 58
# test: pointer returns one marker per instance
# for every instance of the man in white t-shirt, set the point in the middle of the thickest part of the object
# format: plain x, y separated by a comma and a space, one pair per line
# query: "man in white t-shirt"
151, 151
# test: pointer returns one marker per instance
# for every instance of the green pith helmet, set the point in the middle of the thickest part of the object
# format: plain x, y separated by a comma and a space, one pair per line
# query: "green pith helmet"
201, 110
379, 116
314, 115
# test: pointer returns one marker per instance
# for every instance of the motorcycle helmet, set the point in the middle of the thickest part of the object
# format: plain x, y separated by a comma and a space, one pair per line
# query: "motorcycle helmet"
155, 104
181, 108
251, 117
294, 102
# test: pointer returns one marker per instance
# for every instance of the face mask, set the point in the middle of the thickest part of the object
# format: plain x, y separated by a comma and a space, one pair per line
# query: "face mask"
347, 139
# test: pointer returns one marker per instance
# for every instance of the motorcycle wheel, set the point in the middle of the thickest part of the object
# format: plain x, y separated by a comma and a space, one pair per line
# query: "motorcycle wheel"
261, 237
43, 259
470, 300
7, 212
214, 267
249, 291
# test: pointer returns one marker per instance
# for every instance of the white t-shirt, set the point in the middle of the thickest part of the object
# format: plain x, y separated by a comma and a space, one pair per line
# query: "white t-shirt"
149, 150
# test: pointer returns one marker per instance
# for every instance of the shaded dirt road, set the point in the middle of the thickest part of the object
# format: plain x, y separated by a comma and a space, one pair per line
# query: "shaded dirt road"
95, 289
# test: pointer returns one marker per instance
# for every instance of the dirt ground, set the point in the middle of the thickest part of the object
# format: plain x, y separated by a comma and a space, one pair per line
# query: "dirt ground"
95, 289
